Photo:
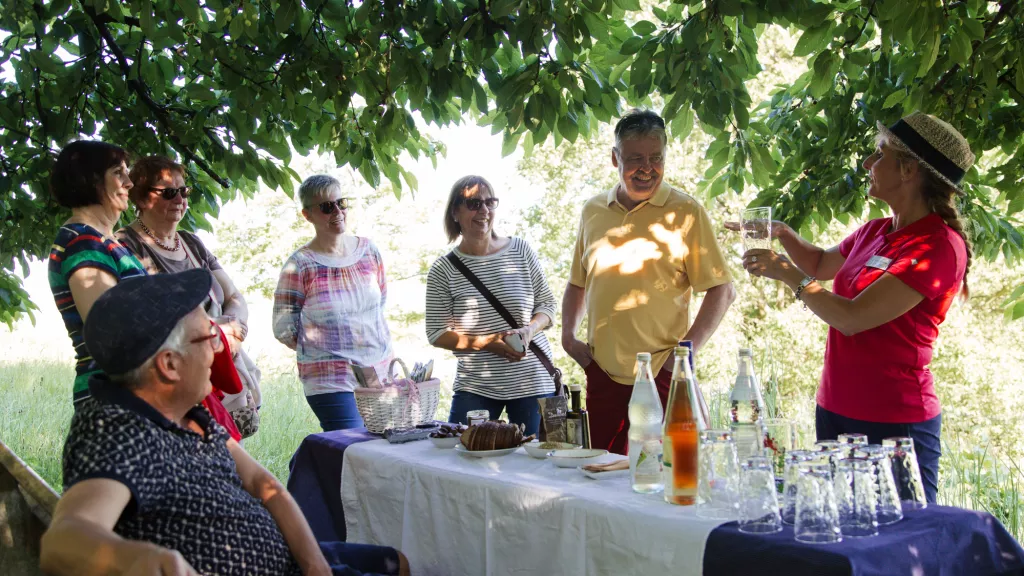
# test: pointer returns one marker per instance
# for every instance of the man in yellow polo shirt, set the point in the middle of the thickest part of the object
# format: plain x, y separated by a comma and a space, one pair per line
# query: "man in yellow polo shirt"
642, 249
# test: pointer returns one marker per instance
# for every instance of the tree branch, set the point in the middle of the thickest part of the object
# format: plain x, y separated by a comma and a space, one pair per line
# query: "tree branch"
140, 90
1004, 11
863, 27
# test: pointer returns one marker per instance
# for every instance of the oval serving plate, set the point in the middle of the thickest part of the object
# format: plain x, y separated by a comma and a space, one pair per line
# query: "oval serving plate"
577, 457
461, 449
541, 450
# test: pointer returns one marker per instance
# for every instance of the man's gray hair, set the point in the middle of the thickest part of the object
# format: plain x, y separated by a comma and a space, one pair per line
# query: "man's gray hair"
640, 123
175, 341
316, 186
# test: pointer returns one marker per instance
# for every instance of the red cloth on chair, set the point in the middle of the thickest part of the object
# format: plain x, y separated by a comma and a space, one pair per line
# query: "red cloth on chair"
225, 380
221, 415
223, 374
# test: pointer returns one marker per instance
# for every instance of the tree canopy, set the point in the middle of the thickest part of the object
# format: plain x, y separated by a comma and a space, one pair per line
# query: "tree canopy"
234, 87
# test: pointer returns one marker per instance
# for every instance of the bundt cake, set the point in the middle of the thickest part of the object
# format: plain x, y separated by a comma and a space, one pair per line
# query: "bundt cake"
492, 435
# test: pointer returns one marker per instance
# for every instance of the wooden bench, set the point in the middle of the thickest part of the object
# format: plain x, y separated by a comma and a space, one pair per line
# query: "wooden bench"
27, 503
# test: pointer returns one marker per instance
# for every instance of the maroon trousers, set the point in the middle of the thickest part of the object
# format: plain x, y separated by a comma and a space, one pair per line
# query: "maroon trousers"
608, 406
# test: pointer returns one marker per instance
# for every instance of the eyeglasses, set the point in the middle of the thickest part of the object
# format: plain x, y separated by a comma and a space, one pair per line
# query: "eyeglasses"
172, 193
638, 160
329, 206
212, 335
475, 204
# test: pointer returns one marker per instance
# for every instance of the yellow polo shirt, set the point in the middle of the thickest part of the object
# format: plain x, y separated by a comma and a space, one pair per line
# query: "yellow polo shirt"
638, 269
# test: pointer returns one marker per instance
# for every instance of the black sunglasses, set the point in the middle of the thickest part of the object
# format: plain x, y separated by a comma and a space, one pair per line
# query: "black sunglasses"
475, 204
329, 206
171, 193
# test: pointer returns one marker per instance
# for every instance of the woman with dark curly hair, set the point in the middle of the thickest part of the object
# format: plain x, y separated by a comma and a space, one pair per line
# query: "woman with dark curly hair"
86, 260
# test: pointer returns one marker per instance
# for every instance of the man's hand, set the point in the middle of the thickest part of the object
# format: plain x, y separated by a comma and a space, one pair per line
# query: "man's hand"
161, 562
578, 351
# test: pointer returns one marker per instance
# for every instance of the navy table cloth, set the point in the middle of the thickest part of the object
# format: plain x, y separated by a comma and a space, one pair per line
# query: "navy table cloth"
314, 480
938, 540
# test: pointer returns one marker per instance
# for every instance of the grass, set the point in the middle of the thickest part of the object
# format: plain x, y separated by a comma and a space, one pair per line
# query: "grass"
35, 411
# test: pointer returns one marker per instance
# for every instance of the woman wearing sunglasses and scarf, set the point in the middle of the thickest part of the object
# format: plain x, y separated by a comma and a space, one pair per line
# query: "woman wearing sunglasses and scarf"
329, 307
161, 200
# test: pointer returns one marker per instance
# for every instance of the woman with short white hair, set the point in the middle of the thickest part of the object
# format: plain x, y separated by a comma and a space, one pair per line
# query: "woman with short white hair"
329, 306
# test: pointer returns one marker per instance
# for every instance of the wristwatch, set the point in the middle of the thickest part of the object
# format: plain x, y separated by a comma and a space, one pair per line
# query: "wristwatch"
803, 284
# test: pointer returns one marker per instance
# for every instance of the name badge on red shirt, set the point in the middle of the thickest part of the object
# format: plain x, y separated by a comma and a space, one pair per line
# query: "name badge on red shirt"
880, 262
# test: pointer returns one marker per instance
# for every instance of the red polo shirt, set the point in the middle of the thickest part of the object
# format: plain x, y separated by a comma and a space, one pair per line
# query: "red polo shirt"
881, 374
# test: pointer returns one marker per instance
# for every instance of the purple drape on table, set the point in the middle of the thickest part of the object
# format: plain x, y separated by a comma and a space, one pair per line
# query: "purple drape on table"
936, 541
314, 480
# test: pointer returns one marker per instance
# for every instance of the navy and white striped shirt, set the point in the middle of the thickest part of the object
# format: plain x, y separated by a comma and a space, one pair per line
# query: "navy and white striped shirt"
514, 276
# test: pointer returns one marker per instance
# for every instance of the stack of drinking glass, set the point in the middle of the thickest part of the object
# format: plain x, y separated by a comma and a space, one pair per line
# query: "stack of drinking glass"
840, 488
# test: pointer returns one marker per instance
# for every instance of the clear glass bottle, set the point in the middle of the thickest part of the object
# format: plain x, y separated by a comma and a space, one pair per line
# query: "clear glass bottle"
645, 418
682, 428
746, 409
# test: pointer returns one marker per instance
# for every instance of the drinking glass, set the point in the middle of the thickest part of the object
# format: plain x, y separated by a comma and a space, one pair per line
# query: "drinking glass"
817, 518
856, 499
759, 504
717, 476
831, 450
756, 228
793, 460
779, 438
848, 442
889, 509
906, 473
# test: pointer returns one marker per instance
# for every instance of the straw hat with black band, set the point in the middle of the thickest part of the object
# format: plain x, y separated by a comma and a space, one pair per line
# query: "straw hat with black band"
937, 145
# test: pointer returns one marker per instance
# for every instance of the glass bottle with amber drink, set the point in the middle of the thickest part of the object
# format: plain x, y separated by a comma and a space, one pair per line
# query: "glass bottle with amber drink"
682, 428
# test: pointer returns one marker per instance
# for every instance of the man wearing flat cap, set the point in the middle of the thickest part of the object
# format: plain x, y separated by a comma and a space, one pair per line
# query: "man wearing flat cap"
152, 484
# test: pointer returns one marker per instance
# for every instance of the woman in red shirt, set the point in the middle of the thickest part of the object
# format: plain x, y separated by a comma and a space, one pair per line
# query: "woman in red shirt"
894, 279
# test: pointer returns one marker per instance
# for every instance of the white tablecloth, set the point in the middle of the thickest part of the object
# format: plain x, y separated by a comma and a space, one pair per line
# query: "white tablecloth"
453, 515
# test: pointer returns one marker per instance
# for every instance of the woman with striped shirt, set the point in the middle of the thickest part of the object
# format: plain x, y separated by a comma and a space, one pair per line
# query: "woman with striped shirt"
86, 260
492, 374
329, 307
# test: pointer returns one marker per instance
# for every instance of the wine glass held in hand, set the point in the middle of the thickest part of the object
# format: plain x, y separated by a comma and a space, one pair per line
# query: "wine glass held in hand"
756, 229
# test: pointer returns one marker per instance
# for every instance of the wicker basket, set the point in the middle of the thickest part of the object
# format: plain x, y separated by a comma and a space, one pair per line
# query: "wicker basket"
400, 404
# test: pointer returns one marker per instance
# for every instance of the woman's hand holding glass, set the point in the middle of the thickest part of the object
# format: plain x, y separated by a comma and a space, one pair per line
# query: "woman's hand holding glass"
768, 264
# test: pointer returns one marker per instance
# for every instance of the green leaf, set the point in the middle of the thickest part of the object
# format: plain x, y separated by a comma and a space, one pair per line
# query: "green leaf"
628, 5
616, 73
631, 45
284, 16
192, 10
974, 28
960, 47
930, 52
894, 99
814, 39
508, 143
644, 28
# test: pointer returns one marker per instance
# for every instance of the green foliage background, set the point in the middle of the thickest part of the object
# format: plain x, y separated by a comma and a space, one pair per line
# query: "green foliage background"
235, 87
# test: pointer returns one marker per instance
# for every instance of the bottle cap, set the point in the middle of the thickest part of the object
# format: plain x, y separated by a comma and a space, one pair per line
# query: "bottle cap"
575, 388
643, 356
745, 352
683, 351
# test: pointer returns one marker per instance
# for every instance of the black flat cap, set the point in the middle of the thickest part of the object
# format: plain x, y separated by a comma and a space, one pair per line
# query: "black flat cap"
128, 323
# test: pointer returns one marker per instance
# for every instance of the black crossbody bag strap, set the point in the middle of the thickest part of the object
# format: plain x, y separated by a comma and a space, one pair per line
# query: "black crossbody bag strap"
555, 373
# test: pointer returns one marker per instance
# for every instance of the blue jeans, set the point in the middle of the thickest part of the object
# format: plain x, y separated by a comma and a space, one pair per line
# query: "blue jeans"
336, 410
520, 410
359, 559
927, 444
